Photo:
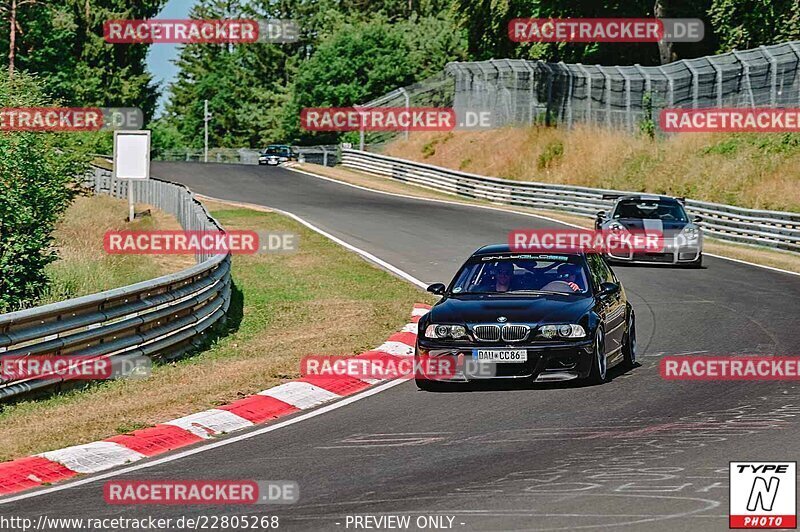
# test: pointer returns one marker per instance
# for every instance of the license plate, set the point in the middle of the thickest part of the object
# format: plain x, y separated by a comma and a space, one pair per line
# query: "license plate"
500, 355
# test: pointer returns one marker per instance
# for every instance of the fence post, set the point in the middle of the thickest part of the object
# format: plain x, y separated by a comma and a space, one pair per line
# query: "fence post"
325, 155
796, 50
531, 97
588, 92
773, 70
647, 88
746, 69
627, 98
568, 99
607, 83
549, 106
695, 84
718, 70
408, 104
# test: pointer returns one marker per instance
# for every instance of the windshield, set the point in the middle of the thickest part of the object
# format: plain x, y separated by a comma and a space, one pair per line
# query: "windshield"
650, 210
522, 273
281, 151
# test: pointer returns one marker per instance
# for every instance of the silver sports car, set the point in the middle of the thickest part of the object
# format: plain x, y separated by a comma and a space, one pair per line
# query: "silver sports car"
665, 215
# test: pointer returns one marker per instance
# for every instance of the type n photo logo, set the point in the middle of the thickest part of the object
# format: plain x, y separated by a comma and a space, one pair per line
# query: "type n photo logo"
763, 495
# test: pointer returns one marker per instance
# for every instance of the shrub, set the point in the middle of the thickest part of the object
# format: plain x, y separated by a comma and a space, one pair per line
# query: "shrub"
38, 174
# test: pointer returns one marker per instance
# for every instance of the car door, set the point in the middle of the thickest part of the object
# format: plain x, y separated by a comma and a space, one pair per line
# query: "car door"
611, 307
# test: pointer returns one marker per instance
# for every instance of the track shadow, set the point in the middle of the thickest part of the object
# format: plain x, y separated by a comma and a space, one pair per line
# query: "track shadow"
527, 384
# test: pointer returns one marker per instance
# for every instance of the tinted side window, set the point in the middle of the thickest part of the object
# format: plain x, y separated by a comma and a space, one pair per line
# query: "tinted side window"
599, 270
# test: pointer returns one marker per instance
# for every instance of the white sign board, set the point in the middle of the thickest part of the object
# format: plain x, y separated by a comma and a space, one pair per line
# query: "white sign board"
132, 154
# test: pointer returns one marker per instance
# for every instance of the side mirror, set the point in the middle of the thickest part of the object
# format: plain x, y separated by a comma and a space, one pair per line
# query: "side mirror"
697, 219
601, 215
606, 289
437, 288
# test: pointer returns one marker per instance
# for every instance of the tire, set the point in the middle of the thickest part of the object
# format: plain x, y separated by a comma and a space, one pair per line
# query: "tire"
697, 263
629, 347
599, 371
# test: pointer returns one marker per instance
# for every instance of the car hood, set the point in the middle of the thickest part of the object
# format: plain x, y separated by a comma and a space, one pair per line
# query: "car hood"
529, 309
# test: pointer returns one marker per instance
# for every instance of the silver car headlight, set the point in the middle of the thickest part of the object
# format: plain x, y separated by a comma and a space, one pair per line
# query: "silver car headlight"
445, 332
565, 330
616, 227
691, 232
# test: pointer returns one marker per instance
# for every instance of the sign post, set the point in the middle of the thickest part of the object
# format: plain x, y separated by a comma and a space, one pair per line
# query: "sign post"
131, 160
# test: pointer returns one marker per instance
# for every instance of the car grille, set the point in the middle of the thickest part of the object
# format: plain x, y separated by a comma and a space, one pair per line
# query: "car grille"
515, 333
493, 333
487, 333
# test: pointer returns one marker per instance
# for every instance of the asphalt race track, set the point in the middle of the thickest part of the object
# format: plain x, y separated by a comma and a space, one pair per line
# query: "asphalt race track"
638, 453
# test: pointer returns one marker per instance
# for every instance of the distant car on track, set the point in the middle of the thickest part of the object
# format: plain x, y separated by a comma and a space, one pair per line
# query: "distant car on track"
540, 317
274, 154
682, 237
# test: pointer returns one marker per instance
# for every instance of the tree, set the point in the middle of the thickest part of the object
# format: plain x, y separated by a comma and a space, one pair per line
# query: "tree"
743, 24
36, 170
63, 43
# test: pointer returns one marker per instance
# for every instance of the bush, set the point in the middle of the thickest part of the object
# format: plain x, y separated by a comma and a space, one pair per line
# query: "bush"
37, 181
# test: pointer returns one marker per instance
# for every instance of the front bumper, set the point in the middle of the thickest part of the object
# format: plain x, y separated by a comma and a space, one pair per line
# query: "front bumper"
676, 250
556, 361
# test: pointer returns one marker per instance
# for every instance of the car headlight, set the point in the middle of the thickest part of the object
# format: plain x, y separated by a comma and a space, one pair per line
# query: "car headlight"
440, 332
565, 330
691, 232
284, 159
616, 226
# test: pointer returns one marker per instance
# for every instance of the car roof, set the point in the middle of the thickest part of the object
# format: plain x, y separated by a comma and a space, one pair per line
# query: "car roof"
492, 249
648, 197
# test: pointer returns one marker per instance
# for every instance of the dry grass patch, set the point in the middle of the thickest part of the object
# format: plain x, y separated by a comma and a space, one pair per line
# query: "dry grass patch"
85, 268
757, 171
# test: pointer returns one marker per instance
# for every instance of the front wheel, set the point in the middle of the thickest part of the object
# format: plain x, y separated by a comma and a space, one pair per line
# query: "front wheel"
697, 263
599, 372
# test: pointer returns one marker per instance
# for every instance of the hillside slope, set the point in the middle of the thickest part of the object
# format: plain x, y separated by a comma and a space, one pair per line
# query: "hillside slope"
758, 171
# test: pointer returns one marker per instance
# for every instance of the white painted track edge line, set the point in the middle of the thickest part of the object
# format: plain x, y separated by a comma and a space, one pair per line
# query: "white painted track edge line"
509, 209
208, 446
366, 254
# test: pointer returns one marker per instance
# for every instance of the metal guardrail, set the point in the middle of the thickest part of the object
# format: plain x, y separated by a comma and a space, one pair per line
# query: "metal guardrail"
750, 226
324, 155
160, 318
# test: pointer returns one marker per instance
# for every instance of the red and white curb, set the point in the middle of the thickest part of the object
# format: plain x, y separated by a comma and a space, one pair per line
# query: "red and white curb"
300, 394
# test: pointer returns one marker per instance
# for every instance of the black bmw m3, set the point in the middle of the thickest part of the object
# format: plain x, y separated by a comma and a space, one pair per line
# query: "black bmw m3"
541, 317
